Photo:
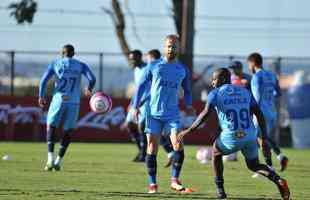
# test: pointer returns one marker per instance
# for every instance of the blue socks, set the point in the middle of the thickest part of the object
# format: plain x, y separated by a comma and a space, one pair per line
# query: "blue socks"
50, 139
64, 143
151, 164
178, 159
143, 144
166, 144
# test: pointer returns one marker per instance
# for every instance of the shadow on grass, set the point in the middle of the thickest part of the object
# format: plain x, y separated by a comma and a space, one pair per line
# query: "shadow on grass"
173, 196
134, 195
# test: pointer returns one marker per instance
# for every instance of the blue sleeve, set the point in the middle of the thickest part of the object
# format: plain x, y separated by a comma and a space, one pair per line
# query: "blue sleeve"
248, 78
211, 99
253, 102
186, 84
90, 76
44, 80
255, 88
145, 79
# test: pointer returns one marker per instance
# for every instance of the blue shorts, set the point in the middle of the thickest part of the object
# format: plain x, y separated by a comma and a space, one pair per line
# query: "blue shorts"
129, 117
143, 112
64, 113
270, 125
156, 126
249, 148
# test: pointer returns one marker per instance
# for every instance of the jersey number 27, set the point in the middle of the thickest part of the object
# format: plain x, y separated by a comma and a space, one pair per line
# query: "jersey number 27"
67, 83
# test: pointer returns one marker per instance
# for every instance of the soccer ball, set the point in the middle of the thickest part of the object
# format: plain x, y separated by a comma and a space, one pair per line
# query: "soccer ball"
100, 103
230, 157
204, 154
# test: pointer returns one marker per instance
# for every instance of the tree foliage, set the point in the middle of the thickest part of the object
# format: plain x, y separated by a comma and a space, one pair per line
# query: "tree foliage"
23, 11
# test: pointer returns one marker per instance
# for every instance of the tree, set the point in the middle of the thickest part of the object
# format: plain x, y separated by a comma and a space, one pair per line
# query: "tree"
183, 12
118, 19
184, 18
23, 11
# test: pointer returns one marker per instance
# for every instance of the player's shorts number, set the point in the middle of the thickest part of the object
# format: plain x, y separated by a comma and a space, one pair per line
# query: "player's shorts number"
242, 117
67, 81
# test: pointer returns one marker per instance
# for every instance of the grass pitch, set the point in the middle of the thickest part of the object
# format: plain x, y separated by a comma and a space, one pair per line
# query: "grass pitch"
105, 171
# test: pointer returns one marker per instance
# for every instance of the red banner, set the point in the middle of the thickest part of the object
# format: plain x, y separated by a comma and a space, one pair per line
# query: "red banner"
22, 119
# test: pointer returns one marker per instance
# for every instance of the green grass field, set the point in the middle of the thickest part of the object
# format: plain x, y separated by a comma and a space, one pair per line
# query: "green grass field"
105, 171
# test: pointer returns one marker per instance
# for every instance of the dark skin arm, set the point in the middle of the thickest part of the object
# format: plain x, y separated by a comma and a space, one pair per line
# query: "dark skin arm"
260, 119
262, 124
203, 116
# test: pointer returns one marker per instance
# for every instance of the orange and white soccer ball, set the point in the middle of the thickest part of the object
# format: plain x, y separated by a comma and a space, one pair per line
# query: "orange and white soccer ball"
100, 103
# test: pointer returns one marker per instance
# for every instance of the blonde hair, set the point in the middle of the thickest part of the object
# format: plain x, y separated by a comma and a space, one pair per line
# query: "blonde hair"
172, 37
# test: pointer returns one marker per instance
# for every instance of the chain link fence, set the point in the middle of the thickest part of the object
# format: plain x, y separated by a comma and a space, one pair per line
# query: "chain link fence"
20, 71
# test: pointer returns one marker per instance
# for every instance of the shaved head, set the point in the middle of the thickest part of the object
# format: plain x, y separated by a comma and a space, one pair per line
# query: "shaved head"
67, 51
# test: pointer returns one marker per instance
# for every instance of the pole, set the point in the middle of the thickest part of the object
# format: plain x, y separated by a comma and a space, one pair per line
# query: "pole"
278, 103
12, 54
101, 71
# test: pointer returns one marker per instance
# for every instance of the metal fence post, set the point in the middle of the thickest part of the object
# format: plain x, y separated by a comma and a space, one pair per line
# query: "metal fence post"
231, 58
278, 102
100, 71
12, 54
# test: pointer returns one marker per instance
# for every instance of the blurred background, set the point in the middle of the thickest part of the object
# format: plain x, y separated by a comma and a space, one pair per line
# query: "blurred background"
213, 34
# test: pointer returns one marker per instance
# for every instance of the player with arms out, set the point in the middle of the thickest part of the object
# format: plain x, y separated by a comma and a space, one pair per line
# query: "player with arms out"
265, 89
234, 105
65, 104
133, 127
166, 76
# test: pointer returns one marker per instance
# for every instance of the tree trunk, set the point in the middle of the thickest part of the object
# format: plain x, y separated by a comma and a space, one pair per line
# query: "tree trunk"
177, 15
188, 32
120, 25
184, 18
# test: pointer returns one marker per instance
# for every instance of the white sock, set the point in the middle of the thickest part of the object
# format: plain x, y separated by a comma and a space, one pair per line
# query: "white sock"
280, 157
58, 160
50, 157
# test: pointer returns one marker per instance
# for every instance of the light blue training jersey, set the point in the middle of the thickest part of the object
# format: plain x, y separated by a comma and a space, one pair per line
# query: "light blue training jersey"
233, 105
265, 88
67, 73
165, 79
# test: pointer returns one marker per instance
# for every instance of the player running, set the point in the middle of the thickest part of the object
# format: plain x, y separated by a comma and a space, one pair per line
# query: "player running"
265, 89
234, 105
65, 104
166, 77
238, 77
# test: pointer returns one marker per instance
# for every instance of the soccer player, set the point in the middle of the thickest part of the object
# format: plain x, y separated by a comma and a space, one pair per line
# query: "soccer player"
135, 127
265, 89
234, 105
238, 77
152, 56
166, 77
65, 104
